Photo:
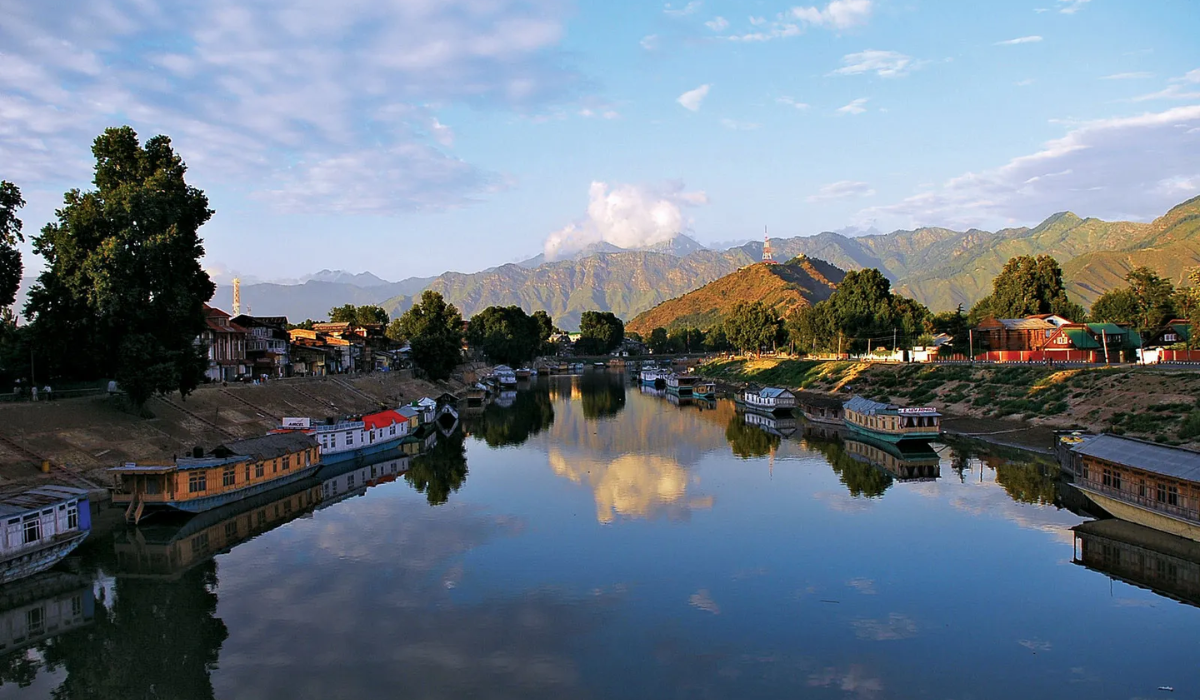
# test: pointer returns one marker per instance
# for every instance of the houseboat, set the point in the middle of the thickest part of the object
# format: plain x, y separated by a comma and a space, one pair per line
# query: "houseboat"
504, 376
344, 440
905, 461
821, 408
475, 395
1142, 482
1140, 556
230, 472
681, 384
43, 525
653, 376
769, 400
704, 390
890, 423
524, 374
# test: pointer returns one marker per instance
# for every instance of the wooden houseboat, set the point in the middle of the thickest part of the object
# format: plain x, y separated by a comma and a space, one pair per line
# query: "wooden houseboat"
681, 384
475, 395
704, 390
906, 461
769, 400
821, 408
891, 423
42, 526
229, 473
1141, 556
1143, 482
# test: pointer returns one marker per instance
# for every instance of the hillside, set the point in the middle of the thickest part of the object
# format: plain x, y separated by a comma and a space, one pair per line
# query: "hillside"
800, 282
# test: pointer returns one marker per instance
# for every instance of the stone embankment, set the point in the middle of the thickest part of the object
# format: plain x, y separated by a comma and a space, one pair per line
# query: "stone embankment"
82, 437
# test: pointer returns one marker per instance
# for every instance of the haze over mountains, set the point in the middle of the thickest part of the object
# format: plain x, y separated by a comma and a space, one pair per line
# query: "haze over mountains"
939, 267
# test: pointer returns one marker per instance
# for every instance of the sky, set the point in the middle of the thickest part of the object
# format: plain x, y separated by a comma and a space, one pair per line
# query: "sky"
411, 137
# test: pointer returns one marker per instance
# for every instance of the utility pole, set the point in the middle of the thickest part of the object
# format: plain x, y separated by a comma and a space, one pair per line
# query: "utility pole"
971, 344
1104, 337
893, 341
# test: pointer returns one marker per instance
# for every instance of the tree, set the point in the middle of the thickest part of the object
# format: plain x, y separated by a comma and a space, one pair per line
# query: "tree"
1153, 295
1027, 286
10, 235
434, 329
368, 314
861, 313
658, 342
954, 324
506, 334
715, 340
1116, 306
123, 291
1189, 305
751, 326
307, 324
600, 332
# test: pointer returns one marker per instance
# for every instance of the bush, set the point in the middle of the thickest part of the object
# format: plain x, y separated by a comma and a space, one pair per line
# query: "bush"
1190, 428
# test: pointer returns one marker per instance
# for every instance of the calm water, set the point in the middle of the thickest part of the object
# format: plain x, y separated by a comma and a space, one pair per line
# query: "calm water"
593, 541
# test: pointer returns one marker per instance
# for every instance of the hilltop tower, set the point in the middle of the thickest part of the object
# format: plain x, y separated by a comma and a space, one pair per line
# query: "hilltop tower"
237, 296
768, 254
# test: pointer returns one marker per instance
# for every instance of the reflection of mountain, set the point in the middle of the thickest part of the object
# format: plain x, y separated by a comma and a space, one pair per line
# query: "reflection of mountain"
632, 485
1146, 558
440, 471
37, 609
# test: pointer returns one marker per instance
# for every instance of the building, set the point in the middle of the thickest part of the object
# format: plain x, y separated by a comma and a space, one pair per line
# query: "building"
317, 354
1093, 342
224, 343
266, 344
1013, 334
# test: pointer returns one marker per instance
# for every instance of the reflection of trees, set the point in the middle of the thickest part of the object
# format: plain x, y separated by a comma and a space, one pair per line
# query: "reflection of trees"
601, 394
440, 471
1025, 482
859, 477
160, 639
19, 668
531, 412
747, 441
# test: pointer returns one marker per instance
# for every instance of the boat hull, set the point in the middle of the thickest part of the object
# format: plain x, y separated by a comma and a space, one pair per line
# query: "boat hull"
199, 505
1143, 516
37, 560
763, 410
375, 448
893, 437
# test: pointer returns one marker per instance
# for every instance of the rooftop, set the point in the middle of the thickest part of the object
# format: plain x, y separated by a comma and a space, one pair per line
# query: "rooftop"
40, 497
1140, 454
868, 407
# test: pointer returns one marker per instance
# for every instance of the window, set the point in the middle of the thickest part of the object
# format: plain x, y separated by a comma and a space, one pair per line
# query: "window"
258, 470
1161, 495
200, 543
76, 606
229, 476
287, 463
350, 481
33, 529
73, 517
247, 473
1142, 488
349, 439
393, 430
35, 620
1172, 496
1170, 338
197, 482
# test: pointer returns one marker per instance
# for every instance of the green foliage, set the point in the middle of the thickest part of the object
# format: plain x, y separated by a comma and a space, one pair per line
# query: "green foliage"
434, 329
307, 324
506, 334
531, 412
1154, 296
1116, 306
752, 326
365, 315
747, 441
600, 332
10, 235
658, 341
1026, 286
1189, 428
715, 340
440, 471
953, 323
123, 292
861, 309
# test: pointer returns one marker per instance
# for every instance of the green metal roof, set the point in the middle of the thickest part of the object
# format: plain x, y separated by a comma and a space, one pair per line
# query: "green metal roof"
1129, 338
1081, 339
1184, 330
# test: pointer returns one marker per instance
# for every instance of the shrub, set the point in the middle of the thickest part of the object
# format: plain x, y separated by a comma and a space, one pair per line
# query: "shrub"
1190, 428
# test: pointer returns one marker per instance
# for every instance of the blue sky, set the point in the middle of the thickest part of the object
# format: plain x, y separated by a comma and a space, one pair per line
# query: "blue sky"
416, 136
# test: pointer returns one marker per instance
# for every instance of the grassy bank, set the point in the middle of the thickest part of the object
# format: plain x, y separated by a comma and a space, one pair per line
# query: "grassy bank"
1149, 403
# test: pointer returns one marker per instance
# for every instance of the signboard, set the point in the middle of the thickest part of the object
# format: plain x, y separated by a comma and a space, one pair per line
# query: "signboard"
917, 411
297, 423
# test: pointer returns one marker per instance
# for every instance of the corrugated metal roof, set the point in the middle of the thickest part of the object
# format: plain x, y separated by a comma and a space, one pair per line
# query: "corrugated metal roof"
1027, 324
36, 499
868, 407
1139, 454
271, 446
772, 392
1081, 339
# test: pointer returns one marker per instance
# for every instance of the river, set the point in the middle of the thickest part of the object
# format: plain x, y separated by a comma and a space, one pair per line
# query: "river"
591, 540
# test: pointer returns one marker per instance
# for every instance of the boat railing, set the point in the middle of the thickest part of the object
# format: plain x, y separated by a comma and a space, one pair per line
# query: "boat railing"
1147, 502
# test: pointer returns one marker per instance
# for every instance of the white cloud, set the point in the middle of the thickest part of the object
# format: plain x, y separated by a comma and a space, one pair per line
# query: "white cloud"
791, 102
855, 106
1070, 7
627, 216
1180, 88
1128, 167
1020, 40
692, 99
649, 42
688, 9
738, 126
845, 189
719, 24
886, 64
1139, 75
837, 15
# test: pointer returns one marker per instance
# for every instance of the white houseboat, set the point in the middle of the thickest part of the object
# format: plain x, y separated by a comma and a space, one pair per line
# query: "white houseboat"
769, 400
351, 439
42, 526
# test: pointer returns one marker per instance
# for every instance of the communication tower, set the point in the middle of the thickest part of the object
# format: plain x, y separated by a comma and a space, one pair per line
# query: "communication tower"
768, 254
237, 296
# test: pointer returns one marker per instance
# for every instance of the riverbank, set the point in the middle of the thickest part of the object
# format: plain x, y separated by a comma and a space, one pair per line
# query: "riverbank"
83, 437
1018, 404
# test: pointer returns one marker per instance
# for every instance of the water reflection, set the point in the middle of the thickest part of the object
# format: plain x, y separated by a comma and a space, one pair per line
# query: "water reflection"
634, 485
440, 471
34, 611
529, 413
1163, 563
749, 441
860, 478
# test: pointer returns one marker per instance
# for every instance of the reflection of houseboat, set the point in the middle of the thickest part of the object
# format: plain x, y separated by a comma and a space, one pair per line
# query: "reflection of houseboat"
43, 526
676, 399
1139, 481
884, 421
651, 390
782, 426
229, 473
372, 434
43, 607
907, 461
342, 484
768, 400
1140, 556
475, 395
820, 408
681, 384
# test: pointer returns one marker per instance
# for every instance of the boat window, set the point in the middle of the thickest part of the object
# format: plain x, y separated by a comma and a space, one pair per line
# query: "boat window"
33, 529
72, 518
197, 482
229, 477
14, 521
258, 470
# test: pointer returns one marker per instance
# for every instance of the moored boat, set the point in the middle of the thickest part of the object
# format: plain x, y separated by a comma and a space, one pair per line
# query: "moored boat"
43, 525
372, 434
681, 384
891, 423
523, 374
504, 376
768, 400
653, 376
704, 390
821, 408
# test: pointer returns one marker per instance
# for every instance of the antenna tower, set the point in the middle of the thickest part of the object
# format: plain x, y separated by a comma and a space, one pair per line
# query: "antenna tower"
237, 296
768, 254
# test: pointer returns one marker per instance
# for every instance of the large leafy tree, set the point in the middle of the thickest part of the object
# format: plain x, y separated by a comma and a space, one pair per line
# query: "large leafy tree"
1188, 304
123, 292
1116, 306
658, 342
751, 326
506, 334
954, 324
1026, 286
434, 329
10, 235
365, 315
600, 332
863, 309
1154, 297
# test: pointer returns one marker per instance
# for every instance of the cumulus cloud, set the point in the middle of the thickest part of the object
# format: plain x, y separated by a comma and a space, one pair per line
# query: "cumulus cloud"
1128, 167
837, 15
1020, 40
273, 95
627, 216
857, 106
845, 189
885, 64
692, 99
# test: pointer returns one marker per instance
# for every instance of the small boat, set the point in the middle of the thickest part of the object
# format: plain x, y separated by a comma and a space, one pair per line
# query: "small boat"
447, 414
821, 408
769, 400
600, 365
681, 384
891, 423
576, 366
44, 525
523, 374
